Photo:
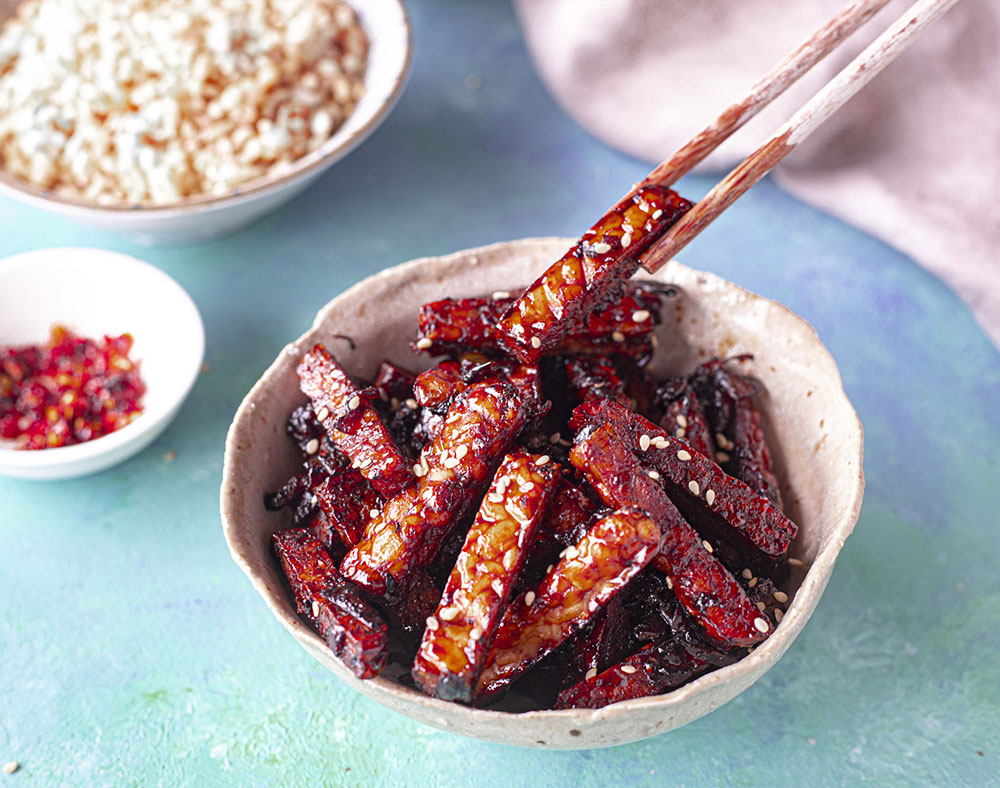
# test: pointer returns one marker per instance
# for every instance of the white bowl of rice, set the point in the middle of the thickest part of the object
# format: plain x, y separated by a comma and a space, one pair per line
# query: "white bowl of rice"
182, 122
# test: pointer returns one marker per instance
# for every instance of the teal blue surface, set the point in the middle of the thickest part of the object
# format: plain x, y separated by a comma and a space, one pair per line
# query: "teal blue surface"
134, 652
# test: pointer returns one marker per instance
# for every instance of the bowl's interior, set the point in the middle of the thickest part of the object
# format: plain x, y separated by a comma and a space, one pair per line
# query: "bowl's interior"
97, 293
813, 428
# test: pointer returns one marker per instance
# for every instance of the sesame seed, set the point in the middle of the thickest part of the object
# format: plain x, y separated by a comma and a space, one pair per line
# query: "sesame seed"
707, 545
795, 562
448, 613
324, 414
529, 598
315, 609
548, 569
526, 486
628, 669
693, 487
761, 624
747, 574
312, 447
495, 498
536, 343
432, 623
626, 240
10, 767
601, 247
710, 497
423, 343
683, 455
617, 336
680, 432
753, 582
543, 460
644, 442
475, 634
555, 437
411, 403
373, 513
500, 294
354, 403
571, 552
761, 606
781, 597
654, 475
451, 462
418, 470
461, 451
590, 674
749, 650
670, 584
660, 442
640, 315
721, 456
682, 420
657, 213
778, 615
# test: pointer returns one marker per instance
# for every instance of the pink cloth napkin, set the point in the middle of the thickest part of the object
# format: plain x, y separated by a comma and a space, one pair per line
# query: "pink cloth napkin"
913, 159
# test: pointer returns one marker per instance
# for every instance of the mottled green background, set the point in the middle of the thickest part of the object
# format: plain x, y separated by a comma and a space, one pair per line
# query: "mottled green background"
134, 652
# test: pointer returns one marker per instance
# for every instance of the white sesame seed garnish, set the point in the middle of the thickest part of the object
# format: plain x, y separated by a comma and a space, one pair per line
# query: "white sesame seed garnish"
571, 552
354, 403
312, 447
495, 498
683, 455
448, 613
660, 442
411, 403
418, 470
423, 343
749, 650
461, 451
781, 597
657, 213
680, 432
529, 598
617, 336
432, 623
315, 609
761, 624
709, 497
373, 513
628, 668
548, 569
670, 584
644, 442
536, 343
601, 247
324, 414
753, 582
365, 463
707, 545
626, 240
356, 464
747, 574
500, 294
640, 315
778, 615
693, 487
555, 437
10, 767
721, 456
761, 606
682, 420
475, 634
590, 674
451, 462
543, 460
796, 562
653, 475
526, 486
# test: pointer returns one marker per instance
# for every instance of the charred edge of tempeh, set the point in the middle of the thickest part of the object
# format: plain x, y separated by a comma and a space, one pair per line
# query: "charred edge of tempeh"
453, 470
351, 627
394, 381
683, 416
352, 423
702, 584
595, 376
604, 642
651, 671
458, 636
751, 453
589, 276
587, 577
453, 326
722, 508
348, 502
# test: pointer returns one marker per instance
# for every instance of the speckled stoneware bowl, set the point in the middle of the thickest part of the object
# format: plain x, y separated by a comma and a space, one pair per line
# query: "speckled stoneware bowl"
815, 436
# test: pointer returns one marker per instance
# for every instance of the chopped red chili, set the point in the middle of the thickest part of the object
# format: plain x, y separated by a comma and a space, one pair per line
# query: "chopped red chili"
70, 390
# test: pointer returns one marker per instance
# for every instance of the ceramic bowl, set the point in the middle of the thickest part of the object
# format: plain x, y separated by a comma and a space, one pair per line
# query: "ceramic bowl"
815, 433
197, 219
94, 293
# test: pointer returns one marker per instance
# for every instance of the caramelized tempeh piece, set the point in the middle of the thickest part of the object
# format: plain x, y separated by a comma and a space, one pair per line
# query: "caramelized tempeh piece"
348, 502
595, 376
705, 588
392, 380
720, 507
458, 636
352, 422
683, 417
590, 275
589, 574
436, 387
455, 325
454, 468
655, 669
351, 627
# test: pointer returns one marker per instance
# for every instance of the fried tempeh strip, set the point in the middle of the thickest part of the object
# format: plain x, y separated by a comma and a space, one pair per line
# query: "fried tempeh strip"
719, 506
683, 416
351, 627
590, 275
454, 469
436, 387
655, 669
458, 636
352, 422
348, 502
706, 589
587, 577
595, 376
394, 381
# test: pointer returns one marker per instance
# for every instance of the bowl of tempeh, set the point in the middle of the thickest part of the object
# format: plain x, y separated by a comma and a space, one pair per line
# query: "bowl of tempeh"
675, 669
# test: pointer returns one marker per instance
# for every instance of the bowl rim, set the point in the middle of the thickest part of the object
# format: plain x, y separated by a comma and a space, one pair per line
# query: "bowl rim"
148, 421
312, 163
759, 661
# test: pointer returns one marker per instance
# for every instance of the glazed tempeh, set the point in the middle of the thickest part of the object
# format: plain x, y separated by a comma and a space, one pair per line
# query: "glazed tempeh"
705, 588
587, 577
347, 501
453, 470
352, 422
351, 627
458, 636
590, 275
683, 416
435, 388
595, 376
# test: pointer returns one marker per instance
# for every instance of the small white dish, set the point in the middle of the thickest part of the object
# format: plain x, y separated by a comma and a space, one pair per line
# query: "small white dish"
95, 292
203, 218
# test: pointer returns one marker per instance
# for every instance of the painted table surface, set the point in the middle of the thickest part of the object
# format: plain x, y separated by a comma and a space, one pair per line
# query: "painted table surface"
134, 652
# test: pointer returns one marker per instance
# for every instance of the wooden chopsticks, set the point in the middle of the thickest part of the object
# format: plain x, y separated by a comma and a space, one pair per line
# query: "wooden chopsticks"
829, 99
